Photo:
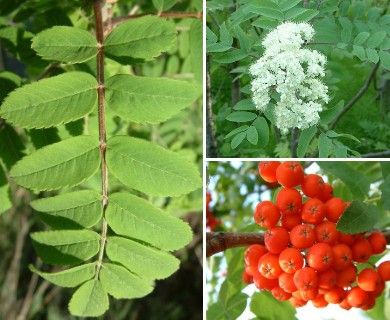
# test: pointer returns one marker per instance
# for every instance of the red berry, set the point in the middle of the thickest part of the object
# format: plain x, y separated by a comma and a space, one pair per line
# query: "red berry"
313, 185
269, 266
267, 214
378, 242
286, 282
326, 232
289, 221
313, 211
302, 236
252, 256
361, 250
327, 193
334, 209
290, 174
342, 256
267, 170
384, 270
320, 257
369, 279
289, 201
290, 260
327, 279
357, 297
276, 239
280, 294
305, 279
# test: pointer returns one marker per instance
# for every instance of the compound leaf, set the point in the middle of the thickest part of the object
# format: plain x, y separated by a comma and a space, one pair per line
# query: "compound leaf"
65, 44
66, 247
122, 284
66, 163
90, 300
149, 168
68, 278
71, 210
148, 100
141, 38
131, 216
50, 102
147, 262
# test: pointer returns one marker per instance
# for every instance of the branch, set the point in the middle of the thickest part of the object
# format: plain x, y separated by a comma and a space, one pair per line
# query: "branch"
221, 241
358, 95
102, 126
376, 154
294, 142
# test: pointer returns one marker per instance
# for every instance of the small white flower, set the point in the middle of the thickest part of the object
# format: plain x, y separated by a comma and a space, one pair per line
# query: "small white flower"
293, 72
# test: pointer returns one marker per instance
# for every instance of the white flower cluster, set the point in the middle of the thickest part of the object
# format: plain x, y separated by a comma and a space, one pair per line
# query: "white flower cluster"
291, 75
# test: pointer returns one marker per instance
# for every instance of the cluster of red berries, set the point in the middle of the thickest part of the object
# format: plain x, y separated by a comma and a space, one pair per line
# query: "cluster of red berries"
305, 258
211, 221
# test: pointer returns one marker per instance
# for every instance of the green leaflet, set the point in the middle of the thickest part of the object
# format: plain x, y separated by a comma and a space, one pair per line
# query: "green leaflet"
131, 216
90, 300
162, 5
71, 210
196, 43
66, 247
122, 284
65, 44
66, 163
149, 168
145, 261
305, 138
142, 38
50, 102
148, 100
68, 278
358, 217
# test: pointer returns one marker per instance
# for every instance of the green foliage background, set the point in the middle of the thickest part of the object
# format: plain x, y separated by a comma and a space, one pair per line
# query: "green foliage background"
23, 293
236, 188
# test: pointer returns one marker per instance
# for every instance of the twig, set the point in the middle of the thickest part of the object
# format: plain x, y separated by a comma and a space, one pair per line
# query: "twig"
376, 154
220, 241
9, 290
358, 95
28, 300
102, 126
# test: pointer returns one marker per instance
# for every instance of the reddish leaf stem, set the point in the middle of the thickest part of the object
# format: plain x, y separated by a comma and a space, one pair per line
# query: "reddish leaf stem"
102, 125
